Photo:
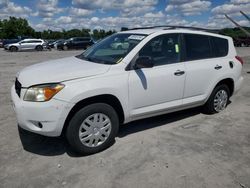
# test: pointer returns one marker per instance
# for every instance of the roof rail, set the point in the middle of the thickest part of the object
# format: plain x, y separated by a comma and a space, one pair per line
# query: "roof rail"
165, 27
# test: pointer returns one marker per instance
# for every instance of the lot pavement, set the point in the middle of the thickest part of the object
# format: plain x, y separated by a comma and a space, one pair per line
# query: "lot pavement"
184, 149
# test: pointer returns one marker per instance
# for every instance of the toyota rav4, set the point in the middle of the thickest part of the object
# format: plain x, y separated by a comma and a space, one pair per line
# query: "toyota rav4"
161, 70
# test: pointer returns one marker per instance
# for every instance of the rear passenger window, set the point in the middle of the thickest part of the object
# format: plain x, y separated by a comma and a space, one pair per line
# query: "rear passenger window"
197, 47
164, 49
220, 47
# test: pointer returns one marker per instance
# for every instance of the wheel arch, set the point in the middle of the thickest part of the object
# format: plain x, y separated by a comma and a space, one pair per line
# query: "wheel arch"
11, 46
229, 82
104, 98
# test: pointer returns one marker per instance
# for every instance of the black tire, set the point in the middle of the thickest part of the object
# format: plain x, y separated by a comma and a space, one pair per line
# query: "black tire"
72, 131
39, 48
209, 107
13, 49
65, 47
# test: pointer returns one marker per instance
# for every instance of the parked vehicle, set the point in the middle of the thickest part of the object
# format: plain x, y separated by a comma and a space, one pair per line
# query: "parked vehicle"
1, 43
50, 43
27, 44
89, 96
120, 45
10, 41
242, 41
76, 43
58, 42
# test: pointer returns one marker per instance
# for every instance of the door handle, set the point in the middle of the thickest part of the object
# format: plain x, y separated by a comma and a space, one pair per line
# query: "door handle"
179, 73
217, 67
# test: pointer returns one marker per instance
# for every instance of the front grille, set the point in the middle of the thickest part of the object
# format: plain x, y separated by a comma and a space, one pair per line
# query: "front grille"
18, 87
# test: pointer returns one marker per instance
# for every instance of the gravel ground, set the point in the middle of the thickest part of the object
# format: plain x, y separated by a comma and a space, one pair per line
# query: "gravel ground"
184, 149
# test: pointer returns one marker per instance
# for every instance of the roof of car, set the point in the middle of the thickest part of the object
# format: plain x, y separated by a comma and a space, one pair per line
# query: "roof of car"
30, 39
151, 30
143, 31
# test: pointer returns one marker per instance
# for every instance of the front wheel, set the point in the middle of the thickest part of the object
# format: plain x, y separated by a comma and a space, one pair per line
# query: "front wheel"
65, 47
218, 100
13, 49
93, 128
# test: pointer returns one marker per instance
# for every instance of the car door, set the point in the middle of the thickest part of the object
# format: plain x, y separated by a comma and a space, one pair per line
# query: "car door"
203, 68
154, 90
24, 45
32, 44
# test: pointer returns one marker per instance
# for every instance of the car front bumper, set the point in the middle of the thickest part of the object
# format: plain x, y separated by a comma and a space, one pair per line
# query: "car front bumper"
45, 118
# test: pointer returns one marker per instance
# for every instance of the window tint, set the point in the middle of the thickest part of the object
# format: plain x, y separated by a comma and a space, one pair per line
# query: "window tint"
197, 47
220, 47
164, 49
32, 41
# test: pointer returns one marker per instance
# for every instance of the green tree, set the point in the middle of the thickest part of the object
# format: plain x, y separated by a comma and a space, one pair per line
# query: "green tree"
15, 27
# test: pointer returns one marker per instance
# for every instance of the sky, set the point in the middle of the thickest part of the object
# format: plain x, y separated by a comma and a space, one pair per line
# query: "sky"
114, 14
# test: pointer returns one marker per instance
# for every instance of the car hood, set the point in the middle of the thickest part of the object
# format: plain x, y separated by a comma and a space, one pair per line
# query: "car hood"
59, 70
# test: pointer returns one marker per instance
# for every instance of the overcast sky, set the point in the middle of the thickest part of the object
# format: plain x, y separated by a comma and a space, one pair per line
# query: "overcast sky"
114, 14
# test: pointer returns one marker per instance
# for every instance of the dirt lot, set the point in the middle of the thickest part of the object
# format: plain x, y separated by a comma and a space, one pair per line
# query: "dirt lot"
184, 149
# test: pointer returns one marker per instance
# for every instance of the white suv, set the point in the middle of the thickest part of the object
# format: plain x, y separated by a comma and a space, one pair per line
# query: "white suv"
26, 44
89, 96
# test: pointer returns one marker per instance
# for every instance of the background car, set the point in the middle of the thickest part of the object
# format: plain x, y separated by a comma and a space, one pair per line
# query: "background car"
1, 43
76, 43
242, 41
27, 44
54, 43
10, 41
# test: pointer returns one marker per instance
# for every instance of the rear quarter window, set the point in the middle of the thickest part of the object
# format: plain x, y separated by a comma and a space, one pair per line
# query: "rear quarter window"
219, 46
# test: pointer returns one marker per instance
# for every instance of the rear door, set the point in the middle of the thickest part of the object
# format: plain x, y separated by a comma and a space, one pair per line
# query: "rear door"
204, 65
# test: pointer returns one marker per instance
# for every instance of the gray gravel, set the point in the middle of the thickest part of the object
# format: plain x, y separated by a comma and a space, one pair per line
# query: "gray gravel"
184, 149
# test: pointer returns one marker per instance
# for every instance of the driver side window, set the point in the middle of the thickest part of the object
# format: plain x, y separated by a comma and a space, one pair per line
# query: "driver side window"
164, 49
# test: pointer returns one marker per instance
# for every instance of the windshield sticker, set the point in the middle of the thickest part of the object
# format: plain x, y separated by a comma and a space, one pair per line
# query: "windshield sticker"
177, 50
136, 37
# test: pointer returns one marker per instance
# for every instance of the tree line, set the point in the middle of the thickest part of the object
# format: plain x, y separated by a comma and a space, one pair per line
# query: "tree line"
13, 28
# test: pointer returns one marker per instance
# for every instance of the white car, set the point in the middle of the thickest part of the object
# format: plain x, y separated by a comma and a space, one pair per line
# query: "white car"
89, 96
26, 44
120, 45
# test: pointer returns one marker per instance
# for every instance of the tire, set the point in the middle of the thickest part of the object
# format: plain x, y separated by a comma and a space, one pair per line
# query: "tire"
65, 48
211, 106
39, 48
82, 122
13, 49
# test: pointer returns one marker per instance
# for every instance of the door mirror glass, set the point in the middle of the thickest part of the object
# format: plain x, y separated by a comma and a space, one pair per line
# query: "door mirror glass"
143, 62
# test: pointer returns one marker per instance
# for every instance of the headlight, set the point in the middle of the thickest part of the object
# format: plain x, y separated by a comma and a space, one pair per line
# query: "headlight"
42, 93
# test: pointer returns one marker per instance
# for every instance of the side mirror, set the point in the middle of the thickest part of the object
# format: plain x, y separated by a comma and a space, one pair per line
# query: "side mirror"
143, 62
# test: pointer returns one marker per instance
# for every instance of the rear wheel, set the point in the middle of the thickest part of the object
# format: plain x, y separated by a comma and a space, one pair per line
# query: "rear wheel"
39, 48
218, 100
13, 49
93, 128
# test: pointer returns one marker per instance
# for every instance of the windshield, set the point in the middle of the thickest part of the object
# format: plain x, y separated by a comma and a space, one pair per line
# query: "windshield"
113, 49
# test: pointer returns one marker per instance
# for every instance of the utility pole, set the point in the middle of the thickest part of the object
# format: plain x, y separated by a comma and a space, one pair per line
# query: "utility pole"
247, 17
242, 29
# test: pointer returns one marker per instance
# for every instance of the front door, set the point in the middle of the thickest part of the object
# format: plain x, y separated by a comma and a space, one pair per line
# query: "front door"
154, 90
